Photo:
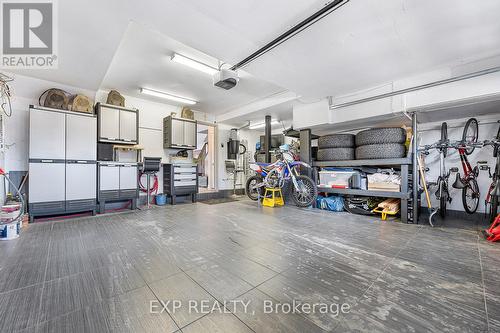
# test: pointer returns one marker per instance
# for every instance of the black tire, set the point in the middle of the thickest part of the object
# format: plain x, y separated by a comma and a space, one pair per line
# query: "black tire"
335, 154
444, 137
304, 199
470, 134
470, 196
443, 197
495, 148
380, 151
336, 141
253, 194
443, 201
381, 135
493, 208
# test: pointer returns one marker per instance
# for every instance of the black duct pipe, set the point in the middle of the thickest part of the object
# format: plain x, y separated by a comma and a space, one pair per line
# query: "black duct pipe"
329, 8
267, 139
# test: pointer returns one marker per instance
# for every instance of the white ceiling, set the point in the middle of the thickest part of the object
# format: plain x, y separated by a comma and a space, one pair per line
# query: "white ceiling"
143, 60
363, 44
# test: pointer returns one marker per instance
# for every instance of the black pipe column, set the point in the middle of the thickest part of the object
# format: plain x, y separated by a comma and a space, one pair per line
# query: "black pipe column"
267, 139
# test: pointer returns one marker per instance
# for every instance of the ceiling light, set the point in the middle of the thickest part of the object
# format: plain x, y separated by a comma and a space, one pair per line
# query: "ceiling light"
261, 125
194, 64
167, 96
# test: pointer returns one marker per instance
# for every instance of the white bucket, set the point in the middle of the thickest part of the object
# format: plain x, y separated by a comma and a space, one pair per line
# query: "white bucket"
9, 231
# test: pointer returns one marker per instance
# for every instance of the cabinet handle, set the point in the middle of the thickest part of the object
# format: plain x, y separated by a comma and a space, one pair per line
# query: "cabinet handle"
47, 161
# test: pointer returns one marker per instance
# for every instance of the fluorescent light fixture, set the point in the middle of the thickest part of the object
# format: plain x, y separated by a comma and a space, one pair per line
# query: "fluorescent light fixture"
194, 64
262, 125
174, 98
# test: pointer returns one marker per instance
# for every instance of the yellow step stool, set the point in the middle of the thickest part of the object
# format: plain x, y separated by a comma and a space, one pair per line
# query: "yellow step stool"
271, 199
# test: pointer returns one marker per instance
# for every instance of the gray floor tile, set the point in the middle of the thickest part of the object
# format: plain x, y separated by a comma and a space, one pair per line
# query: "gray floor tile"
68, 294
117, 279
181, 288
19, 308
259, 321
218, 282
21, 275
217, 322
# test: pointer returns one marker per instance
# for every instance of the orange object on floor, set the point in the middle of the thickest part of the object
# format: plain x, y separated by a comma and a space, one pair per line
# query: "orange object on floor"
492, 234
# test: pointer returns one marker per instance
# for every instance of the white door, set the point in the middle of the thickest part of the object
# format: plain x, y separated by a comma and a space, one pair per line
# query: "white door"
47, 182
109, 177
81, 181
190, 134
109, 123
128, 126
128, 177
47, 135
177, 132
81, 138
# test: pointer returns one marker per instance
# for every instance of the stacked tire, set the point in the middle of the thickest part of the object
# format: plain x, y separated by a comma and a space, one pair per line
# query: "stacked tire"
336, 147
380, 143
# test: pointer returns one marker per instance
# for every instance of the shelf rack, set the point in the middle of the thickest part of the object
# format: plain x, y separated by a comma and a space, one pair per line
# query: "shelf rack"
402, 164
408, 194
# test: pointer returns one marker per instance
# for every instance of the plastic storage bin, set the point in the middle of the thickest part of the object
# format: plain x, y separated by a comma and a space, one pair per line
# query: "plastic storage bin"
335, 178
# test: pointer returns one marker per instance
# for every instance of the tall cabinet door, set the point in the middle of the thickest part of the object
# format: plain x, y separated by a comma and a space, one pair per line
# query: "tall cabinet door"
47, 182
81, 137
128, 126
81, 179
177, 132
190, 134
109, 123
47, 135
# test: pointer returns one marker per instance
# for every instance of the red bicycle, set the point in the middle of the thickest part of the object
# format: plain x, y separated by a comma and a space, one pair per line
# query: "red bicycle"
468, 183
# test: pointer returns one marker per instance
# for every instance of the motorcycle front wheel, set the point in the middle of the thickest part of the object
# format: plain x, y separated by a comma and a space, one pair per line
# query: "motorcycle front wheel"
306, 194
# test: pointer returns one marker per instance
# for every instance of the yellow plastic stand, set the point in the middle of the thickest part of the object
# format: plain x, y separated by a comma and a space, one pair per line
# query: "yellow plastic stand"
271, 199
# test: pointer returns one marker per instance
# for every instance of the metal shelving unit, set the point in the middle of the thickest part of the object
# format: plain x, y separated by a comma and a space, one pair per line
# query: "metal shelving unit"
408, 193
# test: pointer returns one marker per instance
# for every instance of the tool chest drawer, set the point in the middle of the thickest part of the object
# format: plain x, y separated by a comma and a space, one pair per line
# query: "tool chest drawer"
179, 180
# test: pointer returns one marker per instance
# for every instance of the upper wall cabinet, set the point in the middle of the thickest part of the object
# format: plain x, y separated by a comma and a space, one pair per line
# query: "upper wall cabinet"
117, 124
179, 133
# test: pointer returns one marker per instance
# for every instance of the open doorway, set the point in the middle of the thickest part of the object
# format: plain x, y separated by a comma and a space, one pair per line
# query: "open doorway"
204, 155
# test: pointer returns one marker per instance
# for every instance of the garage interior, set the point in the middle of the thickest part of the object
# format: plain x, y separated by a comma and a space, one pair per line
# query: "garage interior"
294, 166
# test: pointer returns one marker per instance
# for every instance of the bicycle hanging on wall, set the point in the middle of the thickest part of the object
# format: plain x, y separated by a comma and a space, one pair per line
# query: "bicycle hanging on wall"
493, 195
468, 182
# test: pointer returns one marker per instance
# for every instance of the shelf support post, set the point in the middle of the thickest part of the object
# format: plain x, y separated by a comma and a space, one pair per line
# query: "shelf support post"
415, 176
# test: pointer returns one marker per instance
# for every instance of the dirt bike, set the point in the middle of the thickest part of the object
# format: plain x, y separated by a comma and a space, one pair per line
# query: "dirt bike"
277, 174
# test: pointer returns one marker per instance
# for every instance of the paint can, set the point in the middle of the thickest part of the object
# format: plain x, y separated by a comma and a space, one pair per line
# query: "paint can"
9, 231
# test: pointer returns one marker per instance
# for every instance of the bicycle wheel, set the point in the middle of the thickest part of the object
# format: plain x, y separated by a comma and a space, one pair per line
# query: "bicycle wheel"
470, 196
444, 137
495, 148
493, 207
443, 199
471, 132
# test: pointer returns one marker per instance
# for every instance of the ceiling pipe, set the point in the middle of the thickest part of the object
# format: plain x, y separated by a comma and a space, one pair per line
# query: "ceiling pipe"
411, 89
323, 12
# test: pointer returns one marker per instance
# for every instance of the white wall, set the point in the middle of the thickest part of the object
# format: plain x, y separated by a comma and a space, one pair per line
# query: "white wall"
225, 180
26, 91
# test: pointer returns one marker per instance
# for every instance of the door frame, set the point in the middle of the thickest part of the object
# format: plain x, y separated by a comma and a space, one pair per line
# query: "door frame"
216, 144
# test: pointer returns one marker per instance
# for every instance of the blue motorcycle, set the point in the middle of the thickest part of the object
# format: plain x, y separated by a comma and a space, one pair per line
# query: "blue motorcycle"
275, 175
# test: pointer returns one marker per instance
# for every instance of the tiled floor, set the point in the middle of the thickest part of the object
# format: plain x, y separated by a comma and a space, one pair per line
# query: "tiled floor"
103, 274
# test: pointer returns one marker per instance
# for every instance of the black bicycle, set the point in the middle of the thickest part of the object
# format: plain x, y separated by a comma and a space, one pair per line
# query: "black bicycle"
493, 195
